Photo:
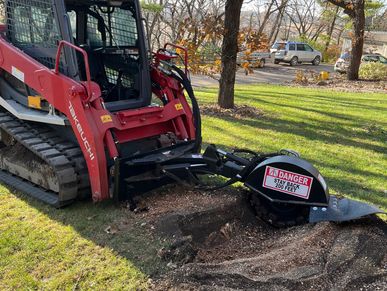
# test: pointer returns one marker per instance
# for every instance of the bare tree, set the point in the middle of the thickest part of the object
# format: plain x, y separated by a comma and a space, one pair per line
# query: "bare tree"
264, 12
182, 19
381, 22
276, 26
305, 16
152, 11
269, 11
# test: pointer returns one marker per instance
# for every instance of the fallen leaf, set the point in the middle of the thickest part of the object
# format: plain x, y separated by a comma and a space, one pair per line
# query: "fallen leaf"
111, 230
91, 217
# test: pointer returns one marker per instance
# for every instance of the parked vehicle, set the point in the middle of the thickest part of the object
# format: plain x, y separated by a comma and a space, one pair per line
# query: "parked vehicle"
278, 45
254, 59
342, 64
295, 53
374, 58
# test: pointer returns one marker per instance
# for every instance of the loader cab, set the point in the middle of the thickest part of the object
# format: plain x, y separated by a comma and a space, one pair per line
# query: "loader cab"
113, 36
111, 32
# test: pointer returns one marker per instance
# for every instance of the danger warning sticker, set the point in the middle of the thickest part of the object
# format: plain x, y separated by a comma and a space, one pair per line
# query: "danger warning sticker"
287, 182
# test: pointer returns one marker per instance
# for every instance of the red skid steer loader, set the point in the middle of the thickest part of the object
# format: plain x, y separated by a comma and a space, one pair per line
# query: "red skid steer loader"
85, 110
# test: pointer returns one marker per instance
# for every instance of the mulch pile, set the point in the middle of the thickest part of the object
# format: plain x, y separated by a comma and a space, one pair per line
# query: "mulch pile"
238, 112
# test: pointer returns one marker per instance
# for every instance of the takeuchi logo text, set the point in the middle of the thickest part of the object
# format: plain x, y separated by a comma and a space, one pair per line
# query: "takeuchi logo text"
81, 132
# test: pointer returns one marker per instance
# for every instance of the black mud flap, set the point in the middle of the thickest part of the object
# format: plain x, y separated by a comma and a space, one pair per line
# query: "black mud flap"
342, 209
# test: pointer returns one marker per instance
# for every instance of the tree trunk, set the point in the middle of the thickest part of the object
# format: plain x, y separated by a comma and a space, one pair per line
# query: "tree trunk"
340, 34
288, 29
277, 23
331, 29
229, 53
356, 11
357, 40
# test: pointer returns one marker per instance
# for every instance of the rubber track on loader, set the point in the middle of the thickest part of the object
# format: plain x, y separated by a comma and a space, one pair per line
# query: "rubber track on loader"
65, 158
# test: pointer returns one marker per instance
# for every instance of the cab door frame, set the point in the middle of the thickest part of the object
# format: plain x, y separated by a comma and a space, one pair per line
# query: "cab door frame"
301, 52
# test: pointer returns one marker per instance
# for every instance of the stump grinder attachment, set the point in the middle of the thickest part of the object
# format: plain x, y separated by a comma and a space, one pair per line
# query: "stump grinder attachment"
86, 111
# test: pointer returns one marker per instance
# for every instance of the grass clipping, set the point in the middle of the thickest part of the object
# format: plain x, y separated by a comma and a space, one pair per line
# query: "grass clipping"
238, 112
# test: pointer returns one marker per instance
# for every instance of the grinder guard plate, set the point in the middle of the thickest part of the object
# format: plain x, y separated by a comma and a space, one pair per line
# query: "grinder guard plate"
343, 209
289, 180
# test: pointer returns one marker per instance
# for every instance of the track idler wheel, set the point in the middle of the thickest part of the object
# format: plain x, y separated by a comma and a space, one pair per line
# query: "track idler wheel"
279, 214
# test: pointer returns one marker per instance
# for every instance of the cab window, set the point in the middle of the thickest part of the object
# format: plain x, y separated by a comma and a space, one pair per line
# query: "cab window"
383, 60
308, 48
300, 47
372, 59
33, 25
120, 25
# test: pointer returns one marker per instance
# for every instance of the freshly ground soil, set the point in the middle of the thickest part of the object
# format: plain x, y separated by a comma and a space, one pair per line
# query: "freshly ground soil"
216, 243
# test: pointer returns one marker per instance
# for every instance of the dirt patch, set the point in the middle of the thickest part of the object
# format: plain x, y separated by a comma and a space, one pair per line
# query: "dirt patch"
238, 112
214, 242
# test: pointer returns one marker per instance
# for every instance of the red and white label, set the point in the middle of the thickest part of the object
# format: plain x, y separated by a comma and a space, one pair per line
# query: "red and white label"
287, 182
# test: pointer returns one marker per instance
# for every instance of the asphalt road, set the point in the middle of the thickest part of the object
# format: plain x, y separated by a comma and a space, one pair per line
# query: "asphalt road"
273, 74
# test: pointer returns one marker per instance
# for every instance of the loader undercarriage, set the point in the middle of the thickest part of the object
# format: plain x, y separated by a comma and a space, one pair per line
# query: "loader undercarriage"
36, 154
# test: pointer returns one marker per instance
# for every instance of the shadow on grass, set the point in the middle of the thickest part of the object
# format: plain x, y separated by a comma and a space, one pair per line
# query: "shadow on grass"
128, 238
312, 110
325, 132
334, 118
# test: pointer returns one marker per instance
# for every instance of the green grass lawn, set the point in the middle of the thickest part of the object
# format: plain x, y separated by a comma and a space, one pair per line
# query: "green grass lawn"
343, 134
69, 249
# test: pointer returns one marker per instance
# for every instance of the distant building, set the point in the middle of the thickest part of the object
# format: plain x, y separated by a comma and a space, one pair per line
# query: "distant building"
375, 42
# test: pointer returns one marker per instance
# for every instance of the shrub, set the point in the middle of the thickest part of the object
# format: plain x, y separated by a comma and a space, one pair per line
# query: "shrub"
373, 71
331, 54
306, 77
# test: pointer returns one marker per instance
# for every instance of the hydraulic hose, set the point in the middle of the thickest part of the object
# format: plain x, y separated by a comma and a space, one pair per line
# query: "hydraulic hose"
183, 79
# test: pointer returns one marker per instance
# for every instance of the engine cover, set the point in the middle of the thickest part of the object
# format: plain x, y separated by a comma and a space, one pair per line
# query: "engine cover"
289, 180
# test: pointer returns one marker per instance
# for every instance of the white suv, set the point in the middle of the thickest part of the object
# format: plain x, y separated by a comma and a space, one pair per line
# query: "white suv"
295, 53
